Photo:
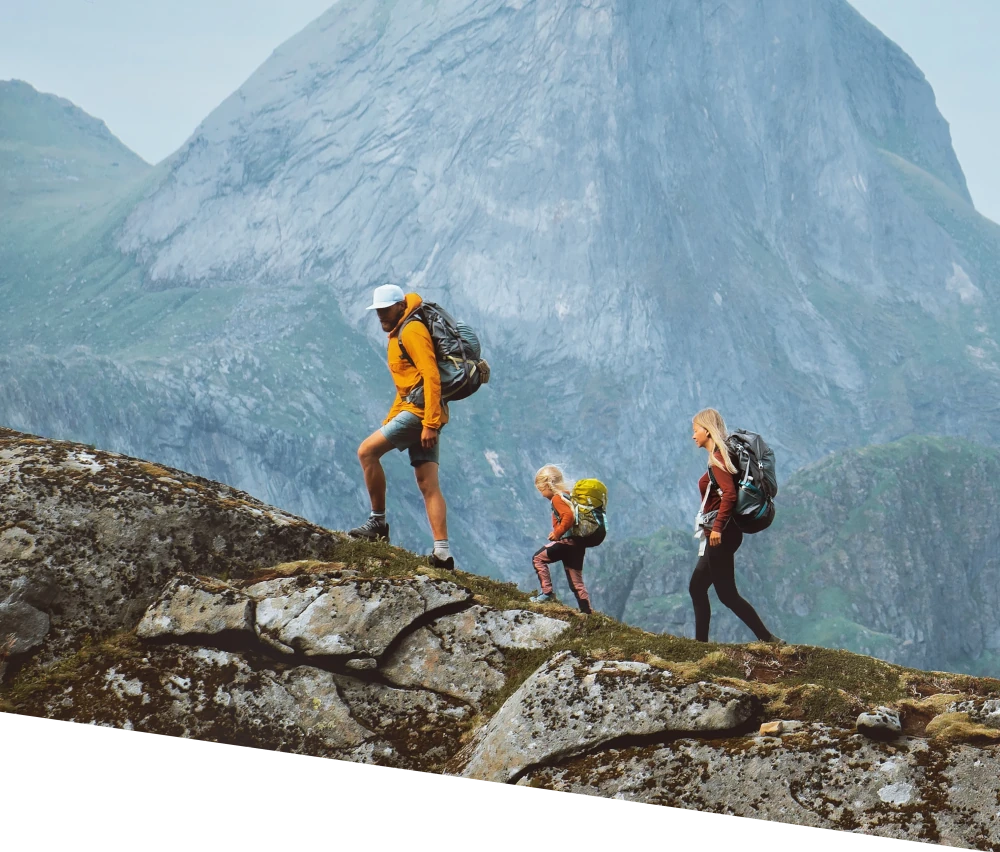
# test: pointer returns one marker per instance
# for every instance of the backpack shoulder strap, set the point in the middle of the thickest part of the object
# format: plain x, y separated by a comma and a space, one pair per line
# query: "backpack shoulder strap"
405, 323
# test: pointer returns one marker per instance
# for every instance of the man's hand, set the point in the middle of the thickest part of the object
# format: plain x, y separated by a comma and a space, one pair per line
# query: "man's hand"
715, 539
429, 437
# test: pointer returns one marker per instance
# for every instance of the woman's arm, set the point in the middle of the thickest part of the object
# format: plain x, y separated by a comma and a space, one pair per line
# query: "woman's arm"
727, 485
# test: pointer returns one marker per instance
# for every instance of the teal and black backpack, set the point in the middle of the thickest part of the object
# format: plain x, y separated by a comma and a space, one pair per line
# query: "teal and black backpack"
756, 480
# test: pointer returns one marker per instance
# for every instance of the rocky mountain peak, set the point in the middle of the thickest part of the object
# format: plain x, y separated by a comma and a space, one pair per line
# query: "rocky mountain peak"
41, 120
643, 209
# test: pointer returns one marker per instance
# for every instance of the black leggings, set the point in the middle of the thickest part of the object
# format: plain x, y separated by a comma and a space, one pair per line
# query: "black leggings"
717, 566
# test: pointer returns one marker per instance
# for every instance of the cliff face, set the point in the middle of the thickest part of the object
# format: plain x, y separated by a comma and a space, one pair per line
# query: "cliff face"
889, 550
644, 208
141, 597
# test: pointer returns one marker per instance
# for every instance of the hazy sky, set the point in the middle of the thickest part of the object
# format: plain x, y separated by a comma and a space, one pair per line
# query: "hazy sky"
153, 69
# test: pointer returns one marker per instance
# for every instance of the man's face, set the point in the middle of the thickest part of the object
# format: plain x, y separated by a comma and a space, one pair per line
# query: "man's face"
390, 317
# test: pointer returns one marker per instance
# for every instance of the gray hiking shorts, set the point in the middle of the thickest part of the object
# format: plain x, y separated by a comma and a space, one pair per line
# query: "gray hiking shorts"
404, 431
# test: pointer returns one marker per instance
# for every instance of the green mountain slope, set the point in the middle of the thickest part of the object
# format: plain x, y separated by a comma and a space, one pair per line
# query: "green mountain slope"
61, 172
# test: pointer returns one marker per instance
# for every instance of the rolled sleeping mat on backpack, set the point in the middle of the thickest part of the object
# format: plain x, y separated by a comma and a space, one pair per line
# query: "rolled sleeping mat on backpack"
471, 340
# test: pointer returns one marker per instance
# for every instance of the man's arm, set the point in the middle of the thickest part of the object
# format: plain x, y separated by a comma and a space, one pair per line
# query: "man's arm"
420, 348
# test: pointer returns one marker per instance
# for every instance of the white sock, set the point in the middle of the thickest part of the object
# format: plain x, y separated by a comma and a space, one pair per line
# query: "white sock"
379, 515
441, 549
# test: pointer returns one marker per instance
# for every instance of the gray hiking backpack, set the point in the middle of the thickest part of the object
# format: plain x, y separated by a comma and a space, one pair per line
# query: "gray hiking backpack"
462, 369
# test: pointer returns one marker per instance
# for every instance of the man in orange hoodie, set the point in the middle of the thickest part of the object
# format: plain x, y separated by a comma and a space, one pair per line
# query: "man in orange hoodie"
407, 426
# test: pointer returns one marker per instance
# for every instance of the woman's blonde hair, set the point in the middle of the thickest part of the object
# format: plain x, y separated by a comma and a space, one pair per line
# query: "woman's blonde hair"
553, 477
711, 421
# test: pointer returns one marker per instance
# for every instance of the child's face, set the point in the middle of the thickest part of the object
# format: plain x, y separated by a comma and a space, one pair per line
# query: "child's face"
546, 491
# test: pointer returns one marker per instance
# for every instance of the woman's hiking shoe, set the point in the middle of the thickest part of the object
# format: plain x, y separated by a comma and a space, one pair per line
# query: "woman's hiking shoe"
436, 562
373, 529
774, 640
549, 598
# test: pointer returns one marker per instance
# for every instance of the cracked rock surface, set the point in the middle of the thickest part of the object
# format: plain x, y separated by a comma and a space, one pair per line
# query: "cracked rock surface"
460, 654
381, 659
908, 789
95, 536
345, 617
189, 606
570, 705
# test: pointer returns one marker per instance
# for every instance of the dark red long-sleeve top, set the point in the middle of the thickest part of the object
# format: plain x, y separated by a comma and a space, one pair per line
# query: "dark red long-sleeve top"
724, 502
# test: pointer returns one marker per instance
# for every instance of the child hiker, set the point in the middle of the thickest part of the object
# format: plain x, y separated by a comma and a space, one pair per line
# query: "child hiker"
570, 551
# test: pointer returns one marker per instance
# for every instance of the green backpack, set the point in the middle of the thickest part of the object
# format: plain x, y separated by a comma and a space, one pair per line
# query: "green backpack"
589, 501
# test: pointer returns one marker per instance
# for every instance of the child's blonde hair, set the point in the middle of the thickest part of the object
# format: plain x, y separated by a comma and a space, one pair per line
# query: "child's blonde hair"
553, 477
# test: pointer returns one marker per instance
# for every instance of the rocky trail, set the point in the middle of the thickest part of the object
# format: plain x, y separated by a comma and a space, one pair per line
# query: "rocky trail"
140, 597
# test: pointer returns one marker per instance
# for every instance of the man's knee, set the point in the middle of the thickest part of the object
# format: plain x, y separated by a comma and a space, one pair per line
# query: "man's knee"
372, 448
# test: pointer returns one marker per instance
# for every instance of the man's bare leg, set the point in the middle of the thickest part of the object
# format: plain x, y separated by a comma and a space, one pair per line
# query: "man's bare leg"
370, 455
437, 511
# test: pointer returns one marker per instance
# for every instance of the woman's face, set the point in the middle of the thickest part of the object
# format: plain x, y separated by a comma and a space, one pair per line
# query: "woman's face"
546, 491
699, 434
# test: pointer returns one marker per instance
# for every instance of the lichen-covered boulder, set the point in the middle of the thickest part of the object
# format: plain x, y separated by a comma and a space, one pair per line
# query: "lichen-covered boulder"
570, 705
24, 620
318, 616
519, 628
104, 533
243, 698
986, 713
188, 606
460, 654
818, 776
22, 627
880, 723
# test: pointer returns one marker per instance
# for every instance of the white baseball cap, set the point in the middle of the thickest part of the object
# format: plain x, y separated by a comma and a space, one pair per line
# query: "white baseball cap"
386, 296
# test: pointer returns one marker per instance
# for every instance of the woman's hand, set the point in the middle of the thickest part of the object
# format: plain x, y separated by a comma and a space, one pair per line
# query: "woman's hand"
553, 536
715, 539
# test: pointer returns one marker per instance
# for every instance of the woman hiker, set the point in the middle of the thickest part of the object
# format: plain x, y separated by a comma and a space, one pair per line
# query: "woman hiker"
721, 538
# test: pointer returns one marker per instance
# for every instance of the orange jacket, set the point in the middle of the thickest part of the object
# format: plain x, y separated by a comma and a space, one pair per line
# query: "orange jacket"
562, 515
406, 376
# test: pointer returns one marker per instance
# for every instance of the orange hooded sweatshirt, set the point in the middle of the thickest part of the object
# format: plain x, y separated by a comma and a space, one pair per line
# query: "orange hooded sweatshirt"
406, 376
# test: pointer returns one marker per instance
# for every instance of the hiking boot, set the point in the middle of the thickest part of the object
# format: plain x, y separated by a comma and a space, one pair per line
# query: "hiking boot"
373, 529
774, 640
436, 562
549, 598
